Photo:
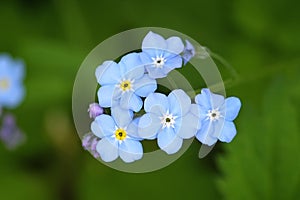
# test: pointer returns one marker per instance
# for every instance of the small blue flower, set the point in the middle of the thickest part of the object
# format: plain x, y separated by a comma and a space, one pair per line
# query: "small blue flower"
11, 82
188, 52
161, 56
118, 135
216, 115
124, 82
168, 119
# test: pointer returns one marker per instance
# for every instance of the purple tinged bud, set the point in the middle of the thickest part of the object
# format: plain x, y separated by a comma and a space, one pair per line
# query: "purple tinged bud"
10, 134
94, 144
95, 110
89, 143
188, 52
86, 141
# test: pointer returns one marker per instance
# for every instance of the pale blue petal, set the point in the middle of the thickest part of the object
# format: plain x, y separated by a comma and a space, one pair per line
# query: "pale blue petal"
216, 100
168, 141
232, 108
5, 62
121, 116
228, 132
149, 126
103, 126
146, 58
108, 149
195, 110
204, 135
155, 72
156, 103
199, 111
179, 102
132, 129
108, 73
130, 150
203, 100
172, 63
209, 100
133, 66
154, 41
144, 86
106, 95
175, 45
129, 100
217, 127
187, 126
17, 71
13, 97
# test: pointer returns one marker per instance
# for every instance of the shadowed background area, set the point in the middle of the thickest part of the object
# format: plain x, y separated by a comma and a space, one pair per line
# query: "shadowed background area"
260, 39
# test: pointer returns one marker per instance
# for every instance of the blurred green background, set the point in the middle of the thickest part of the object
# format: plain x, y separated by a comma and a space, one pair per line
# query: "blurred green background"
259, 38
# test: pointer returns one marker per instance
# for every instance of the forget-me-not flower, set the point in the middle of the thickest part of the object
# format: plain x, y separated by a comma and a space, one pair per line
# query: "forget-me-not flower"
11, 82
118, 135
168, 118
216, 115
160, 56
124, 82
188, 52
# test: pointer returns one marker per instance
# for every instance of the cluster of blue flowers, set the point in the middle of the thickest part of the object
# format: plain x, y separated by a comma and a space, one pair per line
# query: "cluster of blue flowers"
11, 95
130, 85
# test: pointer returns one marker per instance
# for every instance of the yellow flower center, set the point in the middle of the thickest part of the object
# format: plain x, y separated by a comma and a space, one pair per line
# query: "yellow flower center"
120, 134
4, 84
125, 85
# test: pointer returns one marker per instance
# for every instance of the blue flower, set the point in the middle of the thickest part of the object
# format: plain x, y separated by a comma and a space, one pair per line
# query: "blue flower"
124, 82
168, 119
188, 52
11, 82
160, 56
118, 135
216, 115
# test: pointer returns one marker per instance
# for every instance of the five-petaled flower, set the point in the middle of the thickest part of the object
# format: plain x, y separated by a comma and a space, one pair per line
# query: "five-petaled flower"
118, 135
216, 115
125, 82
161, 56
11, 82
168, 119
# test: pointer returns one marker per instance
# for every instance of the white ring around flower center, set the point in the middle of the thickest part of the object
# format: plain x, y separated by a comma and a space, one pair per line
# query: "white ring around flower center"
159, 61
125, 85
168, 120
213, 114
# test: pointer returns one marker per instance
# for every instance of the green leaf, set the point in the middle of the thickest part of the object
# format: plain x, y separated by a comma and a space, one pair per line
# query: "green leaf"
264, 161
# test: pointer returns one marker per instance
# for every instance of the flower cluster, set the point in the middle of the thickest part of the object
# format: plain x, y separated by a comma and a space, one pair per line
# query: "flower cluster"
11, 95
130, 85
